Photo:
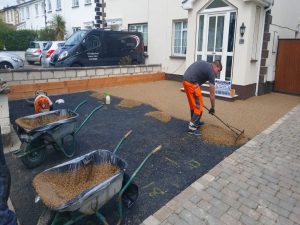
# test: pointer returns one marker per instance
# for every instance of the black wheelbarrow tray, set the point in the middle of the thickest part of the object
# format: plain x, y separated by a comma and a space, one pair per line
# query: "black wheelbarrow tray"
52, 128
90, 200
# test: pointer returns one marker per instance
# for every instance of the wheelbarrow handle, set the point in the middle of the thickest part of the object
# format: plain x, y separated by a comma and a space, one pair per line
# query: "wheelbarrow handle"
158, 148
87, 118
79, 105
121, 141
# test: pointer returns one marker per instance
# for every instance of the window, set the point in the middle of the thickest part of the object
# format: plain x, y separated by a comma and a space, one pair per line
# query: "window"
58, 4
143, 28
36, 10
23, 14
75, 29
179, 38
43, 8
7, 16
75, 3
217, 4
254, 55
27, 12
87, 2
49, 6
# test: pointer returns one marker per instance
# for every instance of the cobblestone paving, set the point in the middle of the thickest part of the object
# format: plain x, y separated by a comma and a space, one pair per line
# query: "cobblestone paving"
257, 184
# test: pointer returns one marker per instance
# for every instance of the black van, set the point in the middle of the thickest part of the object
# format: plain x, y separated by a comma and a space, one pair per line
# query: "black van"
100, 47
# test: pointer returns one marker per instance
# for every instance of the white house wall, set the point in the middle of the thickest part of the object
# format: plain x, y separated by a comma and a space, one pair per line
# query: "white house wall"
244, 71
77, 16
285, 22
159, 14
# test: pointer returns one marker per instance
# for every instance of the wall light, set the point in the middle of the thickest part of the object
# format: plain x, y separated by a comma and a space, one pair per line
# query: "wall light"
242, 29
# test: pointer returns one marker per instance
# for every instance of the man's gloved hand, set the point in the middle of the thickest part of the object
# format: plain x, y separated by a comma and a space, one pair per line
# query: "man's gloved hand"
211, 111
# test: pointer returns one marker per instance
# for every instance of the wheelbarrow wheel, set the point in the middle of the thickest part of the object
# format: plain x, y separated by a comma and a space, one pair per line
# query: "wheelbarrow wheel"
34, 159
47, 217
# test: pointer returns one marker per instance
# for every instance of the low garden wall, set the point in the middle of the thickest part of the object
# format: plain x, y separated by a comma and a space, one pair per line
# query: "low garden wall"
24, 83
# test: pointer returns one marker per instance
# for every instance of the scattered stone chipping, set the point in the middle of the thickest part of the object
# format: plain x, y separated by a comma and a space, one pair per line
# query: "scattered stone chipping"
98, 95
128, 103
161, 116
218, 135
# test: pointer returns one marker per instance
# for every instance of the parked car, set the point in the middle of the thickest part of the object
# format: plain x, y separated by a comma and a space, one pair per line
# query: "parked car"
34, 52
49, 50
10, 61
100, 48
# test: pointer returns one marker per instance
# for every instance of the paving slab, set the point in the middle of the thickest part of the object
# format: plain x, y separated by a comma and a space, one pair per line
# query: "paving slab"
262, 183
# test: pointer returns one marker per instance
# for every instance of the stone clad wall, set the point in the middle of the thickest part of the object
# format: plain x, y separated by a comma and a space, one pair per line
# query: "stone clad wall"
24, 83
33, 76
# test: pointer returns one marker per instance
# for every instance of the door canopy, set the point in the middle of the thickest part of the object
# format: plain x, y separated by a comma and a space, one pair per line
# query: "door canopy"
188, 4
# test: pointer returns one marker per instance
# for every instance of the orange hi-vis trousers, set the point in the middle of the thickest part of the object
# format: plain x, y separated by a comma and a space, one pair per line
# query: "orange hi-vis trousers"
194, 96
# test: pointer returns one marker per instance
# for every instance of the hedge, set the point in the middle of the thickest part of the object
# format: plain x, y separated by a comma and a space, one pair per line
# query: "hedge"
18, 40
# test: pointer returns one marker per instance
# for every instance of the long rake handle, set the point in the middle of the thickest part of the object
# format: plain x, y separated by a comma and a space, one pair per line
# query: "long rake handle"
227, 125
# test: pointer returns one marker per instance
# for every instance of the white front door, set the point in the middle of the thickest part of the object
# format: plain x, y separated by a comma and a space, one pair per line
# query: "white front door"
216, 32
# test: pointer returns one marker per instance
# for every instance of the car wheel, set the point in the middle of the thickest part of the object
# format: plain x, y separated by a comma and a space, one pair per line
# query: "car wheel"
6, 66
30, 62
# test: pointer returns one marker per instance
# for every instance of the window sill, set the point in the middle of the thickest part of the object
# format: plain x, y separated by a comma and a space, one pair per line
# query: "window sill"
50, 11
75, 6
86, 4
177, 57
58, 10
253, 60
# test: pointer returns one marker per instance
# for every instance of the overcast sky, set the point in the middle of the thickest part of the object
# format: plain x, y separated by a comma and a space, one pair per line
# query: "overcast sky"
7, 2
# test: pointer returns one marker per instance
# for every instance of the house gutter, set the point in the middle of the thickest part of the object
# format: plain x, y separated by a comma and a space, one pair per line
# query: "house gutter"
260, 50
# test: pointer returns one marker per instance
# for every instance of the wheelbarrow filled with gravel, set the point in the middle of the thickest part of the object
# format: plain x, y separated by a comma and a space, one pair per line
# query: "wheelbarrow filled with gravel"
53, 128
80, 187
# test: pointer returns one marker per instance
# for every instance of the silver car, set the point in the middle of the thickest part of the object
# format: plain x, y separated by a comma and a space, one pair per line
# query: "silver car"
10, 61
49, 50
34, 52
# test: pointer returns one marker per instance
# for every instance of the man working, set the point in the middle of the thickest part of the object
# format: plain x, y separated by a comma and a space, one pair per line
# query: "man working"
197, 74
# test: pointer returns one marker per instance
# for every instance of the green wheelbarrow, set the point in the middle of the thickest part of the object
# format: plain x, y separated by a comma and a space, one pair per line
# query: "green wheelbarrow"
53, 128
90, 200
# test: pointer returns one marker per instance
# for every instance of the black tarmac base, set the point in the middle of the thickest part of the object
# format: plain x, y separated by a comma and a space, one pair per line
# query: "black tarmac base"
182, 160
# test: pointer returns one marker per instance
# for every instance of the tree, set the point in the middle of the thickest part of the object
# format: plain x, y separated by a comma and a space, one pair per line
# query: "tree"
58, 24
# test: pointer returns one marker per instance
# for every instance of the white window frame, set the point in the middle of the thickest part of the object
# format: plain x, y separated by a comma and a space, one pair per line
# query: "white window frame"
256, 34
7, 16
75, 29
182, 29
43, 8
27, 12
58, 5
75, 3
36, 6
141, 27
23, 14
12, 14
49, 8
